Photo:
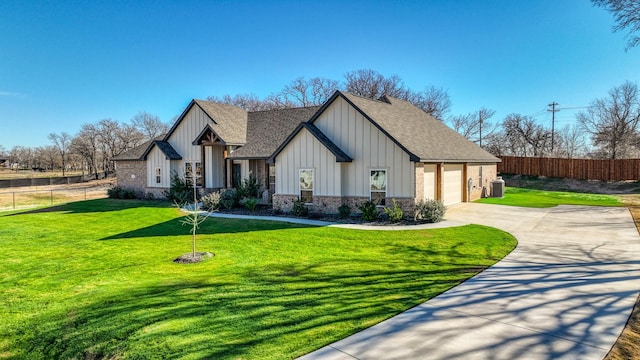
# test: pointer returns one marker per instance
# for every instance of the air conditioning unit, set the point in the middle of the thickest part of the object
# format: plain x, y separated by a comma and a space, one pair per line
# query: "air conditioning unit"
497, 188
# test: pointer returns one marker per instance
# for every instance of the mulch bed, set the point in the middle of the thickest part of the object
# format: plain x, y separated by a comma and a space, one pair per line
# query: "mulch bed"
264, 210
188, 258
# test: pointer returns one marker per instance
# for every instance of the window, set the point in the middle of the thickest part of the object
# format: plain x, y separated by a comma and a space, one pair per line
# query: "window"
158, 177
378, 186
306, 185
272, 178
188, 173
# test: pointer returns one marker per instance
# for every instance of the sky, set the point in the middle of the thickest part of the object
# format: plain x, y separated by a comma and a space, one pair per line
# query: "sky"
67, 63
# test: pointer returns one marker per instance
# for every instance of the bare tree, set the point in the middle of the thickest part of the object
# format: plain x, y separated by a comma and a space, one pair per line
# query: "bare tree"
86, 144
525, 137
149, 125
61, 142
21, 156
627, 16
128, 138
3, 151
371, 84
571, 141
46, 157
108, 134
248, 102
314, 91
613, 121
434, 101
474, 126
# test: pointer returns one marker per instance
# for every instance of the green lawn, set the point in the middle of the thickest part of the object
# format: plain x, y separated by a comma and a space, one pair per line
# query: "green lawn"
95, 279
541, 198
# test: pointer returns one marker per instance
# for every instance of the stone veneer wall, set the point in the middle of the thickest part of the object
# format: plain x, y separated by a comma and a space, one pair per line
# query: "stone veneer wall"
489, 174
132, 174
330, 204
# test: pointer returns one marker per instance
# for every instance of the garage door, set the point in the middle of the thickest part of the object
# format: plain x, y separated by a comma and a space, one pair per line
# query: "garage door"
452, 187
429, 181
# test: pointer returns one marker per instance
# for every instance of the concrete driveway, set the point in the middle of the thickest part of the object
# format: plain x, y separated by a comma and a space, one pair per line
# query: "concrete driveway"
565, 292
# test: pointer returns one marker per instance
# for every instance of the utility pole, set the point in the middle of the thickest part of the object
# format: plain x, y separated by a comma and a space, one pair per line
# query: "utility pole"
553, 122
480, 121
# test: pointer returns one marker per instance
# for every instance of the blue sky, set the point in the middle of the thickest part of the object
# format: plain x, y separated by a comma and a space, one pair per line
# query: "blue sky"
65, 63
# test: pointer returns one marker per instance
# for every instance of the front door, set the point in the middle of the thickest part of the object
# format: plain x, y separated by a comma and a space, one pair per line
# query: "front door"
236, 172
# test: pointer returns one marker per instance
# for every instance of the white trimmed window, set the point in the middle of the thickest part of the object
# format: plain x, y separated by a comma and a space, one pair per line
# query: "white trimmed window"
188, 172
378, 186
306, 185
272, 178
158, 177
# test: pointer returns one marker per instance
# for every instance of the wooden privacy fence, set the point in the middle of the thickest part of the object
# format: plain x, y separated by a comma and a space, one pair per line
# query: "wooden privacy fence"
581, 169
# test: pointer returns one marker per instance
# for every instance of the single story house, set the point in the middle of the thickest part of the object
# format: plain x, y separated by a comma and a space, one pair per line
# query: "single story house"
349, 150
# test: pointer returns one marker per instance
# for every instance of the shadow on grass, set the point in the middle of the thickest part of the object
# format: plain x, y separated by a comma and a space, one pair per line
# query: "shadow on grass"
210, 226
94, 206
287, 310
278, 312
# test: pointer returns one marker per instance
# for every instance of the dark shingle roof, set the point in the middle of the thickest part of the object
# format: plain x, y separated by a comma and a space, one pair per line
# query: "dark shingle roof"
422, 136
227, 121
167, 150
230, 122
266, 130
340, 155
138, 152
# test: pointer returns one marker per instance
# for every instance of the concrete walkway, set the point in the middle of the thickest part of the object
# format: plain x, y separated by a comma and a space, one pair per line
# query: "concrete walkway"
565, 292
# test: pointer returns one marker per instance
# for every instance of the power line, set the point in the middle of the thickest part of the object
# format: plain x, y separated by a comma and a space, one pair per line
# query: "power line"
574, 107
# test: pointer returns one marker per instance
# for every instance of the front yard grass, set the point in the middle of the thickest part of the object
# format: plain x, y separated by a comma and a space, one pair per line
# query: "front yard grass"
95, 279
542, 198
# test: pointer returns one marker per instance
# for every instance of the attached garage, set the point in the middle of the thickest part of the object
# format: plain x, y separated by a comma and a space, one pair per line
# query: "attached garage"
452, 184
430, 181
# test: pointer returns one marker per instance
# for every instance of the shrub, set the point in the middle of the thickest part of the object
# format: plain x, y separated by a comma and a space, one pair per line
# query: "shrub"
228, 198
114, 192
344, 211
118, 192
369, 210
251, 203
394, 213
299, 209
180, 192
430, 210
211, 201
248, 188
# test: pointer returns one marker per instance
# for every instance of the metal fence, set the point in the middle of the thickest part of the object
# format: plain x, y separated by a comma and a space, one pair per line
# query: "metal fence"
12, 200
54, 180
581, 169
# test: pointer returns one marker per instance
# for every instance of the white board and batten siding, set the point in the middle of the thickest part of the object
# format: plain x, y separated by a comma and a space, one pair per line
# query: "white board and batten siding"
182, 137
370, 149
157, 160
306, 152
213, 166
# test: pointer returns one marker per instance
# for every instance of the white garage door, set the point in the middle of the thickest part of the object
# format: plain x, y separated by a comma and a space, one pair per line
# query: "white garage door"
429, 181
452, 187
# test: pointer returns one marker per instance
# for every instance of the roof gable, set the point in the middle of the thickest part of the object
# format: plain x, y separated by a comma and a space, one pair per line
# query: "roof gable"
420, 135
227, 121
340, 155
